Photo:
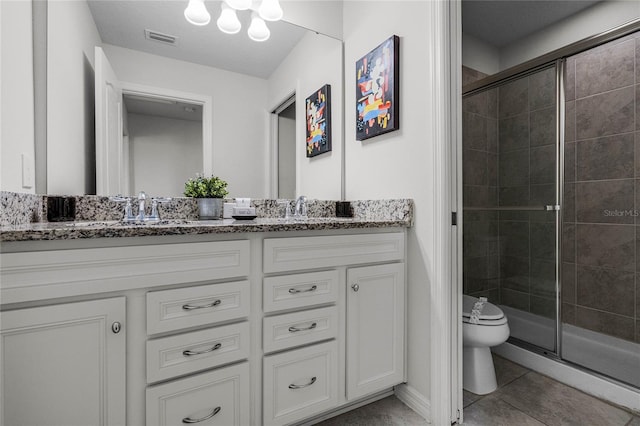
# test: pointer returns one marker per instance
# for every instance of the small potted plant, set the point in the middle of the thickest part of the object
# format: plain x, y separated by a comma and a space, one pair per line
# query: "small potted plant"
209, 192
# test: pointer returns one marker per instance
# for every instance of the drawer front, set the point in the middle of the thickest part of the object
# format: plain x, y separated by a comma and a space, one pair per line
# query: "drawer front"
222, 395
300, 328
42, 275
300, 290
293, 254
189, 352
300, 383
194, 306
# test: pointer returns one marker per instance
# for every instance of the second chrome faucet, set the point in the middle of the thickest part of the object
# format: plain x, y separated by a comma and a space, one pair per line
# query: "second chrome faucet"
141, 216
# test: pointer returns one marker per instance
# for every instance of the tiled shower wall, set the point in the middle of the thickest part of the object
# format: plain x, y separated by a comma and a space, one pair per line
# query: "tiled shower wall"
601, 241
509, 160
526, 178
480, 181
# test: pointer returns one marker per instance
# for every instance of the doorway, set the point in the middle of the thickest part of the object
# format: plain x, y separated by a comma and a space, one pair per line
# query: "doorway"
162, 141
284, 122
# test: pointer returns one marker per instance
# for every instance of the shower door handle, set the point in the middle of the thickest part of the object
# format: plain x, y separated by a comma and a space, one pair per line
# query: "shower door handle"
552, 207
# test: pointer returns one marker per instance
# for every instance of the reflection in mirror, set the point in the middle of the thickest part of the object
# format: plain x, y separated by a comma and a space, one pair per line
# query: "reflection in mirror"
286, 184
244, 80
162, 142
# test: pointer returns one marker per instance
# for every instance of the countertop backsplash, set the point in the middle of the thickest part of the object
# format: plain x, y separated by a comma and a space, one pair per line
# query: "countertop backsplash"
23, 209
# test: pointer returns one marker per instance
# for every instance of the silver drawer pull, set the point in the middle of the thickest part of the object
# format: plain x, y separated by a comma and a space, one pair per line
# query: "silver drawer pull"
293, 386
213, 412
210, 305
295, 290
206, 351
311, 327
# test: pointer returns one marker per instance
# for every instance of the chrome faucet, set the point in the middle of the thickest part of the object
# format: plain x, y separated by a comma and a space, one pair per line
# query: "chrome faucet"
141, 205
301, 208
128, 211
155, 212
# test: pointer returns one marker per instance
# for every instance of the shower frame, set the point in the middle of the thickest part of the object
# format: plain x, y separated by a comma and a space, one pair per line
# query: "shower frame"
556, 58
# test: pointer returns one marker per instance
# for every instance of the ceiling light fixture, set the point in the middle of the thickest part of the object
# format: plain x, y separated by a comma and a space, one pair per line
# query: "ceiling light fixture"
258, 30
270, 10
228, 22
196, 13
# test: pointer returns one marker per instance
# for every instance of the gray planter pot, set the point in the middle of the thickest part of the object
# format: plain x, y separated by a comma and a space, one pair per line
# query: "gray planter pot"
210, 208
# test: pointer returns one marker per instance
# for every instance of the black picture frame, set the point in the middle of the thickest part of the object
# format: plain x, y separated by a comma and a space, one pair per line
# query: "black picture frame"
378, 89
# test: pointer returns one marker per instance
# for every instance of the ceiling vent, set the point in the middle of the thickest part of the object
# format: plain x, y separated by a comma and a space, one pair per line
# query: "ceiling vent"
160, 37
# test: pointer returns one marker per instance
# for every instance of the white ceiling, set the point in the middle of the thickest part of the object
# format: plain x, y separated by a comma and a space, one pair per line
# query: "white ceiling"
123, 22
502, 22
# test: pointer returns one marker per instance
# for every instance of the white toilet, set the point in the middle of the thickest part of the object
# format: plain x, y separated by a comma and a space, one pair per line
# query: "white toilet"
487, 328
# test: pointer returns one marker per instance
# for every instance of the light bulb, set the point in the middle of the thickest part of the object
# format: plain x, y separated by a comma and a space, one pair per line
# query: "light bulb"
228, 21
270, 10
258, 30
196, 13
239, 4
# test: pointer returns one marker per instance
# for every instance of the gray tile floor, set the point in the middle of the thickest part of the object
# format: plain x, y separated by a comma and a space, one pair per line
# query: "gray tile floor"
523, 398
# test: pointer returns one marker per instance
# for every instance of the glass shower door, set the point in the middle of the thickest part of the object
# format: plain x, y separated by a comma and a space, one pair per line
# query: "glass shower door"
510, 179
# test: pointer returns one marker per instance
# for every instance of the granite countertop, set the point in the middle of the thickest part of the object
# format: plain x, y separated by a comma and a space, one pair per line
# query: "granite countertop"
113, 229
23, 218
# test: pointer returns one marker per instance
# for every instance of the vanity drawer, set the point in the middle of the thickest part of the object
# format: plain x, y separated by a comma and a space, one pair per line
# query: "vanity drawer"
300, 328
300, 383
294, 254
169, 310
222, 395
300, 290
189, 352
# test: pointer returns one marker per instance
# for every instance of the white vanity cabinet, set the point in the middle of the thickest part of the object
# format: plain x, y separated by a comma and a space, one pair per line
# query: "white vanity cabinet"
340, 305
64, 364
187, 334
252, 329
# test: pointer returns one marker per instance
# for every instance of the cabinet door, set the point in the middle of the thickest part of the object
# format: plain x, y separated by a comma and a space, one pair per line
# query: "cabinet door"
375, 328
63, 364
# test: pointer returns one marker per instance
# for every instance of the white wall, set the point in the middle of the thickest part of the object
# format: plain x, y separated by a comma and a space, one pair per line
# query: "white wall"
240, 135
16, 94
72, 35
399, 164
479, 55
164, 153
594, 20
315, 61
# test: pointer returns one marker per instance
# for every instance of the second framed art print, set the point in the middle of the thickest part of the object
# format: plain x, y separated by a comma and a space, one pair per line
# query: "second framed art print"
377, 90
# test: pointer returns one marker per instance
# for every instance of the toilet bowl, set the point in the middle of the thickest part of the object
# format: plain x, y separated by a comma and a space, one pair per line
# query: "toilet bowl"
481, 330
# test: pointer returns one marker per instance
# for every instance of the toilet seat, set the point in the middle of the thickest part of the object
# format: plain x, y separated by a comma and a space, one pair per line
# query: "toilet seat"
491, 315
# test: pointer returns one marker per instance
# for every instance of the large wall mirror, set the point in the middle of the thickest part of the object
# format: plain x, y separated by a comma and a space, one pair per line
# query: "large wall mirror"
193, 100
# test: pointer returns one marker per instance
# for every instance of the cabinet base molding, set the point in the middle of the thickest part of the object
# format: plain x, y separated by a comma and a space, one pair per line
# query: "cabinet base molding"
414, 400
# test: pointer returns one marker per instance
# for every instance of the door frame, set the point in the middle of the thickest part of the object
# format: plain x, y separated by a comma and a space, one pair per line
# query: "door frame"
275, 145
445, 405
205, 101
